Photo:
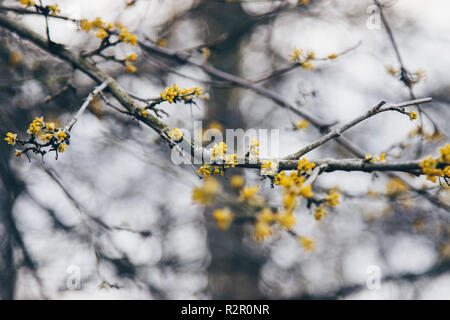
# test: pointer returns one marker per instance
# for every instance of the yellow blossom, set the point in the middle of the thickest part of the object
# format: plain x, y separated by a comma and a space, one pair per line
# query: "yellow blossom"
47, 137
175, 134
207, 193
174, 93
266, 216
61, 136
143, 112
126, 37
262, 231
295, 55
109, 26
215, 125
305, 166
289, 201
130, 68
206, 52
307, 65
54, 9
412, 115
381, 158
248, 193
332, 198
205, 170
27, 3
306, 191
101, 33
392, 71
131, 57
223, 218
396, 186
62, 147
11, 138
85, 25
50, 126
230, 160
98, 23
286, 219
319, 212
307, 243
303, 124
428, 166
219, 151
269, 167
445, 154
254, 147
237, 181
36, 126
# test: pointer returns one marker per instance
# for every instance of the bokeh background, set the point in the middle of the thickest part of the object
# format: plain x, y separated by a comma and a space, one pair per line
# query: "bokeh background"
118, 210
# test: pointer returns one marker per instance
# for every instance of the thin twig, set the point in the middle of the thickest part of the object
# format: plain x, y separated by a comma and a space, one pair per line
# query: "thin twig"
86, 103
337, 132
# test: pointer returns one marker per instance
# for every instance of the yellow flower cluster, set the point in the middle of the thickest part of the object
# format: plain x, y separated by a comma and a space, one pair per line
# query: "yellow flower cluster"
269, 167
266, 218
11, 138
381, 158
126, 37
223, 218
27, 3
175, 134
54, 10
36, 126
262, 231
206, 171
303, 124
219, 151
129, 66
303, 57
143, 112
249, 194
307, 243
207, 193
174, 93
220, 159
395, 186
254, 147
42, 135
237, 181
429, 165
105, 30
305, 166
412, 115
331, 200
293, 187
97, 23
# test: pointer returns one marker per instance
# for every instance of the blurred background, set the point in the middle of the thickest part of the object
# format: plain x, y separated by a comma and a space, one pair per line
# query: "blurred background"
114, 211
